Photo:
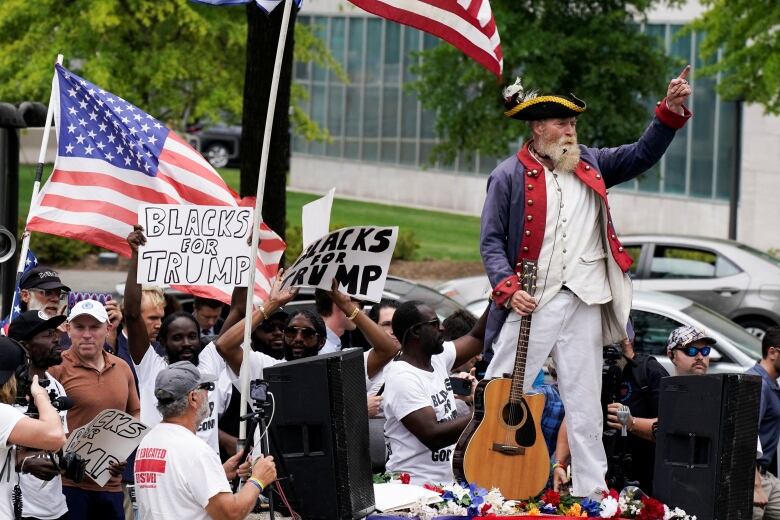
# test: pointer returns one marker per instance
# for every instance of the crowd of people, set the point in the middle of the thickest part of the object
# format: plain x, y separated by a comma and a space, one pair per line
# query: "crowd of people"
177, 372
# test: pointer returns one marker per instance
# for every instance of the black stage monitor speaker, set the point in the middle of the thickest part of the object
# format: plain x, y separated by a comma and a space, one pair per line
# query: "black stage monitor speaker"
706, 452
320, 429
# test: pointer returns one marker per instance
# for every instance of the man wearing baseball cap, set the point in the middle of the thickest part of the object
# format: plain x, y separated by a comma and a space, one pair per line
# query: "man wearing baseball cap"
178, 475
38, 334
42, 289
96, 381
689, 349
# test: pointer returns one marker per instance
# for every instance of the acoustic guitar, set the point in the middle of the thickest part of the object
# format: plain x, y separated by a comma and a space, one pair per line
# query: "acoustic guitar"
503, 445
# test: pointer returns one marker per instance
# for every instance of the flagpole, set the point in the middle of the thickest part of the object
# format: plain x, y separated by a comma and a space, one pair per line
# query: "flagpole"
250, 293
36, 188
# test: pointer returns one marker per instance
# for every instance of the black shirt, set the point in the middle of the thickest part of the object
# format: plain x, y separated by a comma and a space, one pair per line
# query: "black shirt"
639, 390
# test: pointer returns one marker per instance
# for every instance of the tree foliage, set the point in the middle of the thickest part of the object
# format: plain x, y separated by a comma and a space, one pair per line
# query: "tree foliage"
748, 32
178, 60
592, 49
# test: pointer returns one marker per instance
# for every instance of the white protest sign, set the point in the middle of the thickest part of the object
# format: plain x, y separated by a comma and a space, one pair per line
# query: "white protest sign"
194, 245
358, 257
316, 218
110, 437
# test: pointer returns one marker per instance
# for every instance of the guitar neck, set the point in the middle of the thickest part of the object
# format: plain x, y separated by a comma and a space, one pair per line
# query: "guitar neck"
518, 375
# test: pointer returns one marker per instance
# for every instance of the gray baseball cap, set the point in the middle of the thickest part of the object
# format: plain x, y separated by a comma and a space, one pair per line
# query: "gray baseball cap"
684, 336
179, 379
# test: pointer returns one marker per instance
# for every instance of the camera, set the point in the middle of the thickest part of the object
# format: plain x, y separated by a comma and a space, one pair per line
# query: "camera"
24, 398
258, 390
619, 461
73, 466
611, 375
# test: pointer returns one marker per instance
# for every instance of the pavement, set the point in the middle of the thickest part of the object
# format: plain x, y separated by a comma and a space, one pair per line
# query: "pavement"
92, 281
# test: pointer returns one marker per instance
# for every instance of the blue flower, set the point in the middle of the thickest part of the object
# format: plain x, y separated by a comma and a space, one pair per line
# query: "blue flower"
448, 495
592, 507
548, 509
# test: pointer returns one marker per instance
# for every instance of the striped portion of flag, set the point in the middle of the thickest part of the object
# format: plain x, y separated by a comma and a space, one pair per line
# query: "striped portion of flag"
111, 158
468, 25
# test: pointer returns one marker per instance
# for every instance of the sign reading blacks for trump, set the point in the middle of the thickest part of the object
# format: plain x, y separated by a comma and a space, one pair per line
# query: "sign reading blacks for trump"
358, 257
195, 245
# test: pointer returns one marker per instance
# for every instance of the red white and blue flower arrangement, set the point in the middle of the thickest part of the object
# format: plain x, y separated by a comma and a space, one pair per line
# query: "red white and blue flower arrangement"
473, 501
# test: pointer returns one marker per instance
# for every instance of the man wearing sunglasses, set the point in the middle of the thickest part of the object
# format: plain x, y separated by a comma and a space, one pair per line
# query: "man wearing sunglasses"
422, 420
689, 349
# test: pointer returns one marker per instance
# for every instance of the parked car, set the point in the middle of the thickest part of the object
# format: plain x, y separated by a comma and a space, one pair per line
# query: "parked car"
219, 144
395, 289
731, 278
466, 290
655, 315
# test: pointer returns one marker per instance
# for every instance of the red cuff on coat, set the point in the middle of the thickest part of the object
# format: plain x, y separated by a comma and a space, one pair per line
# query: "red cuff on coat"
504, 290
669, 118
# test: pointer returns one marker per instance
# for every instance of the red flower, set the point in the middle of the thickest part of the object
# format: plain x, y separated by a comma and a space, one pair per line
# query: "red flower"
405, 478
611, 493
434, 488
485, 508
652, 509
551, 497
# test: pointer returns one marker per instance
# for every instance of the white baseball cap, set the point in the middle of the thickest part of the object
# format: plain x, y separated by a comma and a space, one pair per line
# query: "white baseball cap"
92, 307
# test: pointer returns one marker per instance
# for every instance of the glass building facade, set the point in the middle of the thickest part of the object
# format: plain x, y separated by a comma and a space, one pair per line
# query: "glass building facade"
375, 119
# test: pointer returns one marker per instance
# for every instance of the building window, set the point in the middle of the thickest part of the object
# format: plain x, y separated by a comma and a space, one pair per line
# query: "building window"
375, 119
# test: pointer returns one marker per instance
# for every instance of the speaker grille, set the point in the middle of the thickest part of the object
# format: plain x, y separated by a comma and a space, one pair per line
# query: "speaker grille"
350, 426
320, 430
706, 452
738, 447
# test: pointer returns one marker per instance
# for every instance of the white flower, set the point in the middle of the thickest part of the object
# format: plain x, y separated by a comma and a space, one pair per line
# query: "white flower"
667, 513
508, 507
609, 507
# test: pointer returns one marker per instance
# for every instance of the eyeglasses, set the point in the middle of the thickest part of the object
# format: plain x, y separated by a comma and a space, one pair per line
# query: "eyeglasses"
270, 326
434, 322
692, 351
206, 386
50, 293
290, 333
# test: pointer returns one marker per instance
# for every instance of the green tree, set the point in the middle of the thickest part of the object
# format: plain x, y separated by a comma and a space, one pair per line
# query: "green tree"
747, 32
174, 59
178, 60
591, 49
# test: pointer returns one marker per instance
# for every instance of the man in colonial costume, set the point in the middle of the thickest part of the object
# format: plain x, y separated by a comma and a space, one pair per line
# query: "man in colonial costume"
548, 203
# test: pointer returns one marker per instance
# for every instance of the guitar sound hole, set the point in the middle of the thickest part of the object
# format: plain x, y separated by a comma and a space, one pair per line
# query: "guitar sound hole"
513, 414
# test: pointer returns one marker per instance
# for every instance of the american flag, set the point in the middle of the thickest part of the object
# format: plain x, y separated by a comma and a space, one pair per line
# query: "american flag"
468, 25
265, 5
16, 308
111, 157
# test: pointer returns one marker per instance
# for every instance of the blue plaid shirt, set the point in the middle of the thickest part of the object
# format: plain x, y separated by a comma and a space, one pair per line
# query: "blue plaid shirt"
553, 414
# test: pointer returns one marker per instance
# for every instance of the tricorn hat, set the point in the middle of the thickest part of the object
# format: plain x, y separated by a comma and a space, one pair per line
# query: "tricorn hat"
530, 106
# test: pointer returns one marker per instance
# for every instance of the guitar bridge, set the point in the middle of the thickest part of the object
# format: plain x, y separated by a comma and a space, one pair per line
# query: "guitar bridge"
508, 449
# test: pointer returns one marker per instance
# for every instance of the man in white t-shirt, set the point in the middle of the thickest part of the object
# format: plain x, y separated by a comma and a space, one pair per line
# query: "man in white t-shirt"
179, 336
422, 421
177, 475
40, 479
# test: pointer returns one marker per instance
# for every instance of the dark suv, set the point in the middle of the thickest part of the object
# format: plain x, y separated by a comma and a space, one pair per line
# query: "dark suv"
219, 144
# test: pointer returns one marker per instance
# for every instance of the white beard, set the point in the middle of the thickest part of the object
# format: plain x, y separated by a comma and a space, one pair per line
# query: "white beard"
203, 411
564, 154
